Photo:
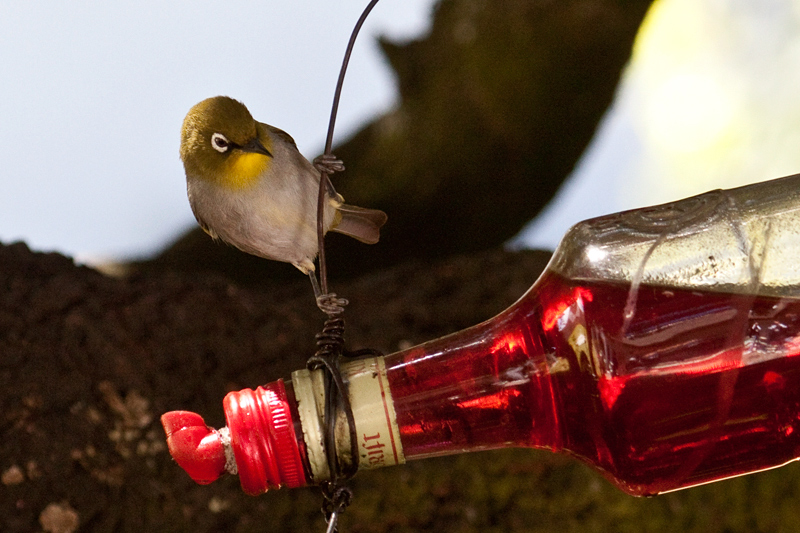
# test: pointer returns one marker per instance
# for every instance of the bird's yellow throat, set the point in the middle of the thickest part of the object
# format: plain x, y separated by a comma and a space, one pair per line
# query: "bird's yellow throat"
243, 169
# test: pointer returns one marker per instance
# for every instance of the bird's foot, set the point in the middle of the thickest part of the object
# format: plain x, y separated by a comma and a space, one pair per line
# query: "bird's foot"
328, 163
330, 304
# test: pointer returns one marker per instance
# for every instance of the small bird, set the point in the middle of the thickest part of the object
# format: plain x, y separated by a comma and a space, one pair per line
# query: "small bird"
249, 186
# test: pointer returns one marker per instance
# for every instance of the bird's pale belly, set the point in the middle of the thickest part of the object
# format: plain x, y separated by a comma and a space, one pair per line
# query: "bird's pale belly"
258, 223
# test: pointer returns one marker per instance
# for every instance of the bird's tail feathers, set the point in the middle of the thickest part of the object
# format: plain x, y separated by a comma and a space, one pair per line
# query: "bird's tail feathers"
361, 223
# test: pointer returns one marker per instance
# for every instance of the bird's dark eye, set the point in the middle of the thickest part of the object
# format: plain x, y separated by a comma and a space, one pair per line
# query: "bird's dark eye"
220, 143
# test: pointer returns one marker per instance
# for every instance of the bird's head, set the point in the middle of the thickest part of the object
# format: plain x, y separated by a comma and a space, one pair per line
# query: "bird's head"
222, 142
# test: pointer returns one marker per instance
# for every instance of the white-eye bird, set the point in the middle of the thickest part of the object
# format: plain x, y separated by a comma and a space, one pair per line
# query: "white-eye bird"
249, 186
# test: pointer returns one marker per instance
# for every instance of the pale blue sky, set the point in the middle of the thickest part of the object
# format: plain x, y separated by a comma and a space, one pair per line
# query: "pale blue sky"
94, 92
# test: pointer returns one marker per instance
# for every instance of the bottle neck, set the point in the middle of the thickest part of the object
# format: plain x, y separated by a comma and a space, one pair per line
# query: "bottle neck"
481, 388
376, 428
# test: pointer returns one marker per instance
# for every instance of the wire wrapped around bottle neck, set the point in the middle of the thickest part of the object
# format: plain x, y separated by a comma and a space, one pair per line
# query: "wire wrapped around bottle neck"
330, 348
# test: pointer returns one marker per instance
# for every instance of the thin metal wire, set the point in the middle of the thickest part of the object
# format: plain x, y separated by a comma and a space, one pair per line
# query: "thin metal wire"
323, 267
341, 495
332, 522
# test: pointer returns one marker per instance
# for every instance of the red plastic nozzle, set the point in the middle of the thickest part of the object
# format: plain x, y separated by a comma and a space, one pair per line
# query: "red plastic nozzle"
262, 438
195, 447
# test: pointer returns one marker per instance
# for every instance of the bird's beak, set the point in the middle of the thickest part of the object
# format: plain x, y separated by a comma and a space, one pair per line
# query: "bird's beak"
255, 147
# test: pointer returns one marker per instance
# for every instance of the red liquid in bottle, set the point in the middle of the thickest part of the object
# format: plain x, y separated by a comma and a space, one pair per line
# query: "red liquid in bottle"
691, 387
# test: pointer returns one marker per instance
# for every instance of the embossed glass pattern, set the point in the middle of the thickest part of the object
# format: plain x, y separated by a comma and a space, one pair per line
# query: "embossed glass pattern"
744, 240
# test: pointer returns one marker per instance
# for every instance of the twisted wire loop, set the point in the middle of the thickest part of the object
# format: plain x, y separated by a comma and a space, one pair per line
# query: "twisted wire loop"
330, 349
336, 500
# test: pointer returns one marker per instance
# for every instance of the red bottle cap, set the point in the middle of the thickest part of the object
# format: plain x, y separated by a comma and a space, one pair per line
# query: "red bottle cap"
261, 435
263, 438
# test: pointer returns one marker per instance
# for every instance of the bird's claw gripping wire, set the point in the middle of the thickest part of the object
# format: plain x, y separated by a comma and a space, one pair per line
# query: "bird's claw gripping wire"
328, 303
328, 163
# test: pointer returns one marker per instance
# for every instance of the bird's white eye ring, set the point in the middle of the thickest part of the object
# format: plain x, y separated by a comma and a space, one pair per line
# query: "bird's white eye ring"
220, 143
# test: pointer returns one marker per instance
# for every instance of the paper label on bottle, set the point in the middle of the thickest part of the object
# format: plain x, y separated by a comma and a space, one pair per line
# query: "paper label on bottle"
373, 409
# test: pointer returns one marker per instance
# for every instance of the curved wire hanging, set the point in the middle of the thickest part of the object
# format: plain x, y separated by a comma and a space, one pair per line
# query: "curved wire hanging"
323, 271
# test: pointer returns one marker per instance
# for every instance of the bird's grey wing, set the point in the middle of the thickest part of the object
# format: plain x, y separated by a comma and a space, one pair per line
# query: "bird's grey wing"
281, 134
288, 138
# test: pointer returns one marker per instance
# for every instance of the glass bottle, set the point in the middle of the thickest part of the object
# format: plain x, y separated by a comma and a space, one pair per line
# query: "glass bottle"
660, 345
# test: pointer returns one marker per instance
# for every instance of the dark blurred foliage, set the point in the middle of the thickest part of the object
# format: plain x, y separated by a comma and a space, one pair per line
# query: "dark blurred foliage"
496, 106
